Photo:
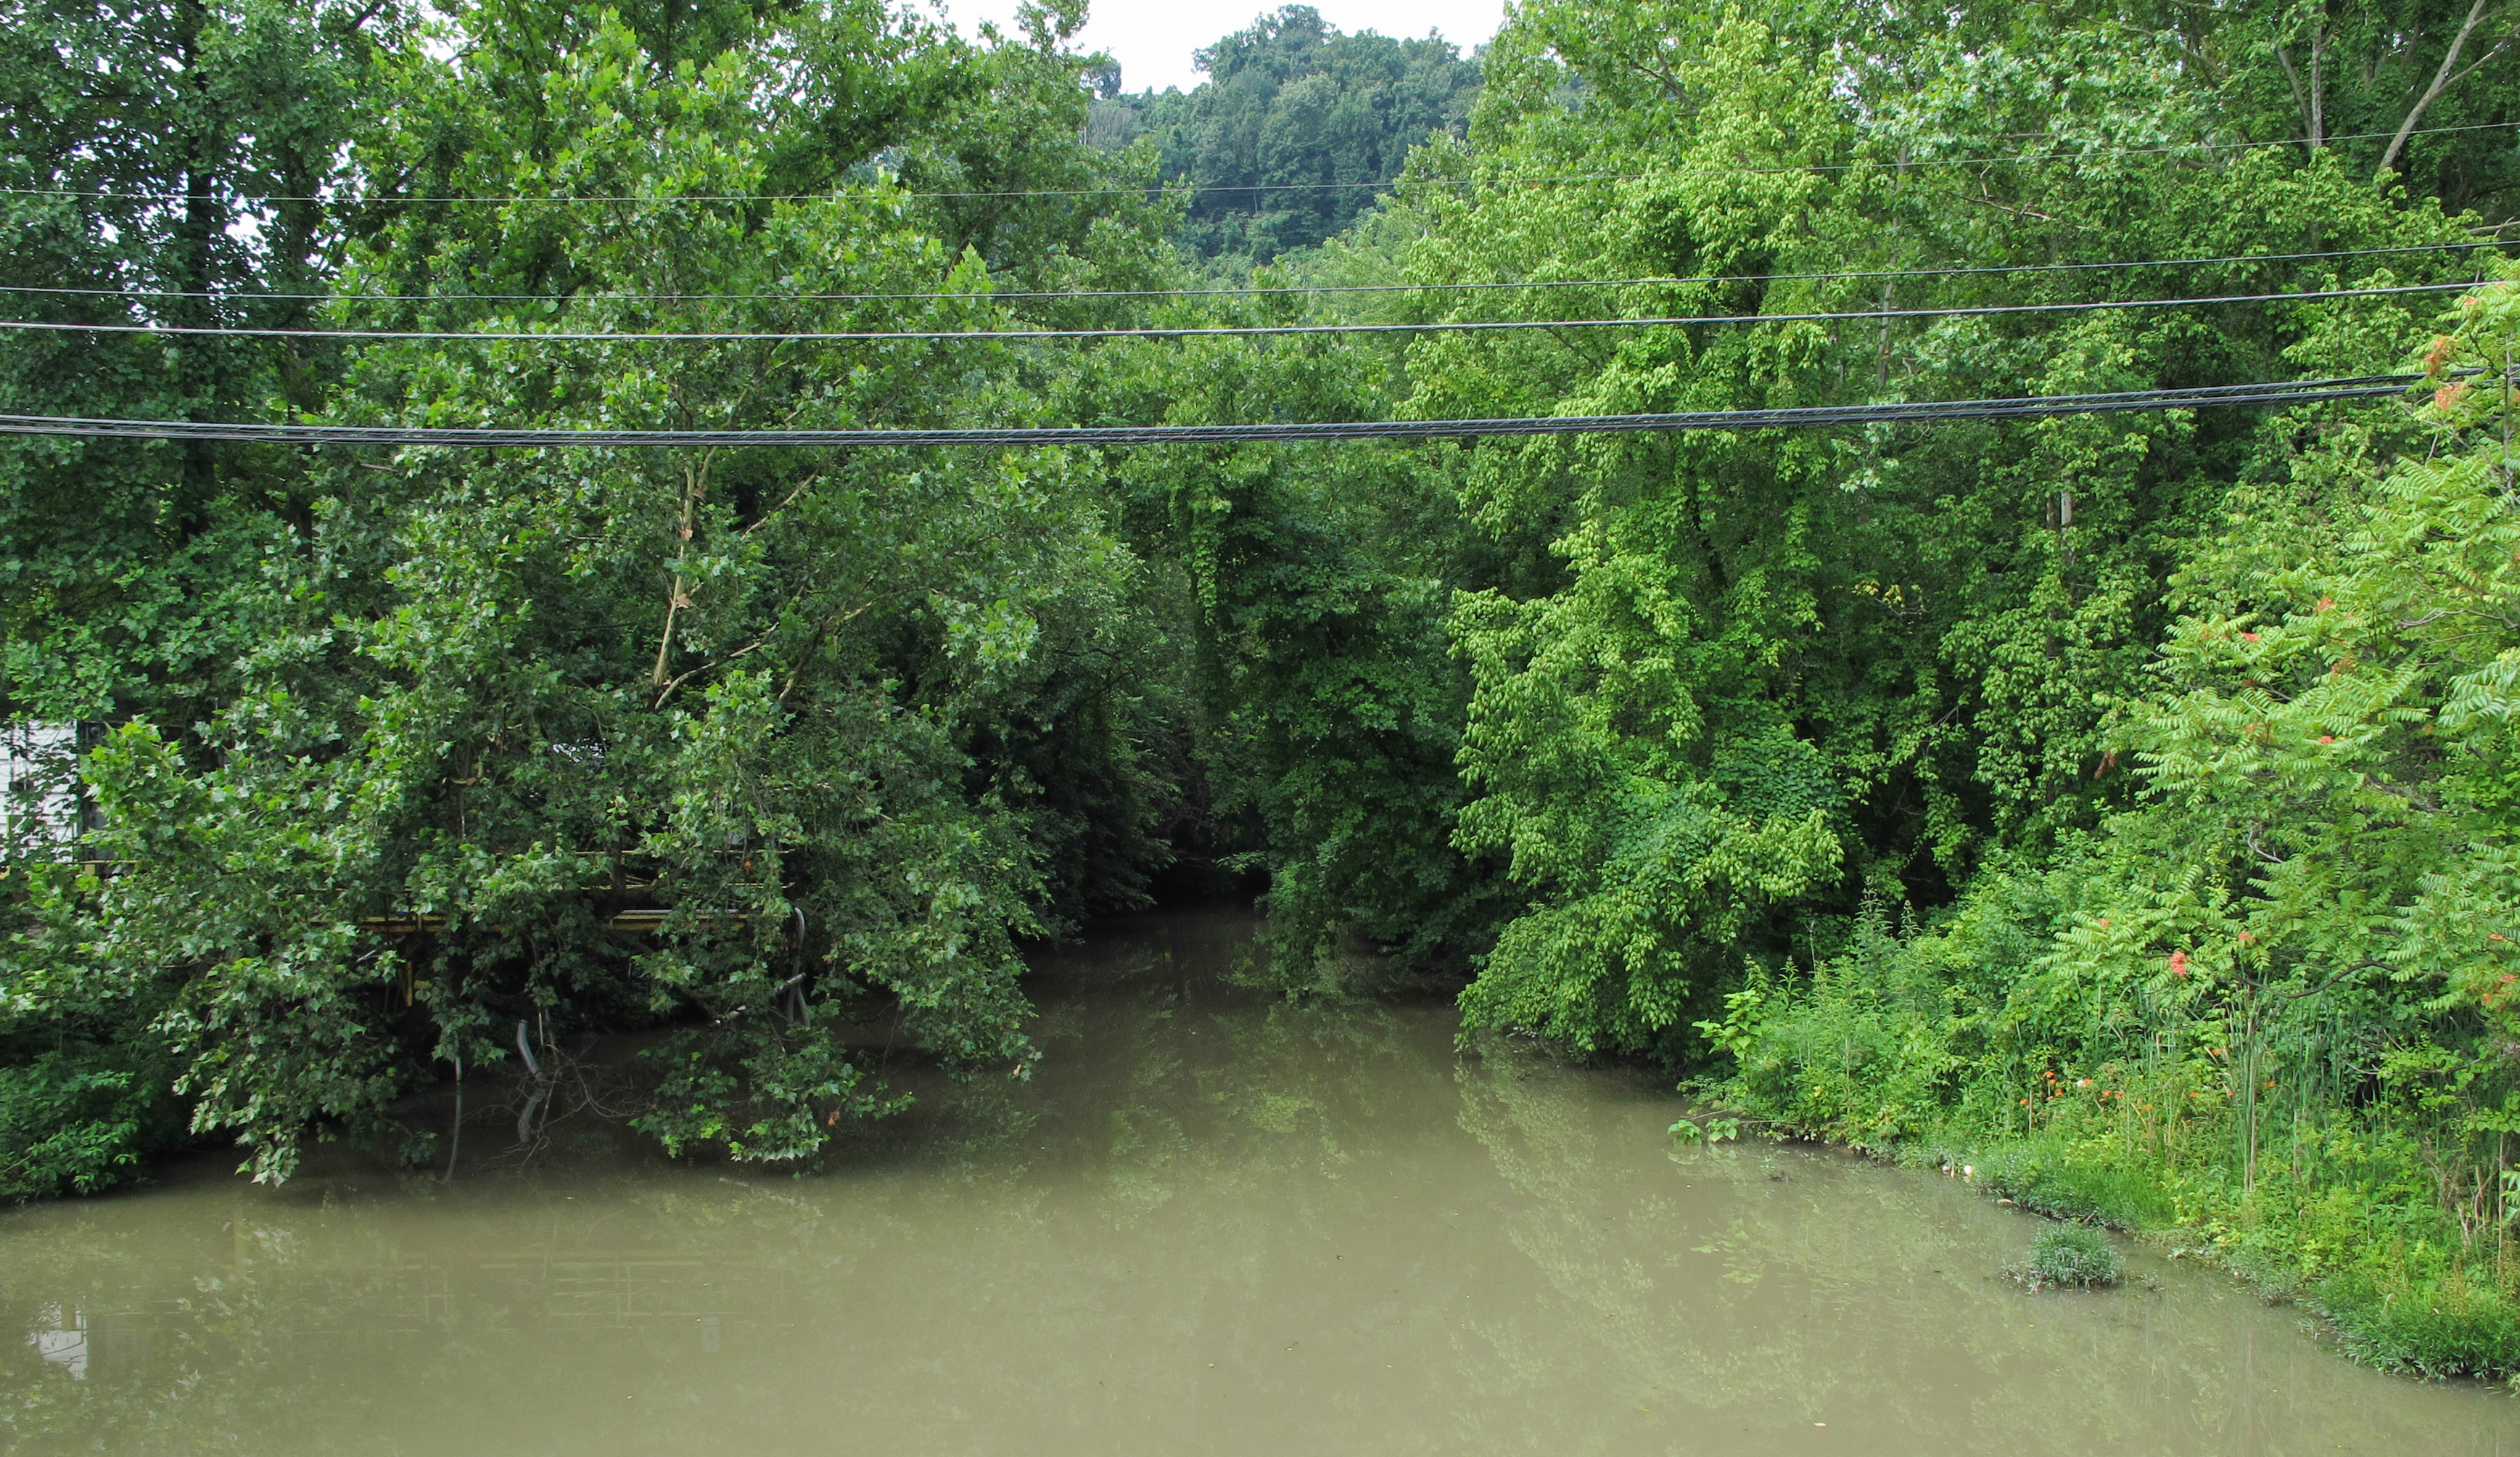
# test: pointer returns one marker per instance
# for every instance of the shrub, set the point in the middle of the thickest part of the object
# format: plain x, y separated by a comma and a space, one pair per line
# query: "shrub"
83, 1117
2070, 1255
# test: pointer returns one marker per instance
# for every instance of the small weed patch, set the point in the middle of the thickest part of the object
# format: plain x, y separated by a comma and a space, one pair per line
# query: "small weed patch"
2069, 1256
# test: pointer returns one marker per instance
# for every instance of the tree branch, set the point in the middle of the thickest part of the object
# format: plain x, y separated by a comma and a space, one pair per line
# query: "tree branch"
2360, 966
2283, 57
2441, 83
668, 690
764, 519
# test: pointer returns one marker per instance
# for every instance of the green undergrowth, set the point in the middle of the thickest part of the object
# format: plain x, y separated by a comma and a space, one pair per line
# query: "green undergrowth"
2393, 1279
85, 1116
2349, 1225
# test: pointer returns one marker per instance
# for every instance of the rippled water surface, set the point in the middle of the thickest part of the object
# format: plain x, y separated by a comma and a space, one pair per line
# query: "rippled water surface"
1209, 1224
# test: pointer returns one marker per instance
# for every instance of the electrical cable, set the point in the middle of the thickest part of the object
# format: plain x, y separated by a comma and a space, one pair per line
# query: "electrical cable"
1010, 295
2278, 392
1216, 331
872, 195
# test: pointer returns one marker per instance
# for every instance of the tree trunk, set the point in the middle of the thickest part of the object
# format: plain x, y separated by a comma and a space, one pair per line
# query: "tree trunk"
195, 238
2311, 103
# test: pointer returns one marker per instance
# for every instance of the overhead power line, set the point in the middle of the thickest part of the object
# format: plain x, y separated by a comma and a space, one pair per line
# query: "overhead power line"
1013, 295
1217, 331
2278, 392
1140, 190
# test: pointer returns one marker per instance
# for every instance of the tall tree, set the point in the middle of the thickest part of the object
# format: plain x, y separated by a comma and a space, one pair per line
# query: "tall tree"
162, 165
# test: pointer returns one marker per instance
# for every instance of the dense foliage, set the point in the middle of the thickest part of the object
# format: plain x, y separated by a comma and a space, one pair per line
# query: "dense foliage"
2118, 805
1295, 130
858, 723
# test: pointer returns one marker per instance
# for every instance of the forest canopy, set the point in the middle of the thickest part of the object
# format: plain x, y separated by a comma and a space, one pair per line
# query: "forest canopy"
1294, 133
2131, 791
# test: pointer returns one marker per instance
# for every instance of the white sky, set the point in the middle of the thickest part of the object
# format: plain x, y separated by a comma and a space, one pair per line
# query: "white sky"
1153, 38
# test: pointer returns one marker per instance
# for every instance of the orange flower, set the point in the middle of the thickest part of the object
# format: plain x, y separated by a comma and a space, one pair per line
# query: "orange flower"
2440, 354
2327, 738
2449, 395
2178, 963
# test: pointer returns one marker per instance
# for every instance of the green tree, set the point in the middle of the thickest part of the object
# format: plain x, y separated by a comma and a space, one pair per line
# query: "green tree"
2270, 1001
1781, 667
834, 713
160, 161
1296, 129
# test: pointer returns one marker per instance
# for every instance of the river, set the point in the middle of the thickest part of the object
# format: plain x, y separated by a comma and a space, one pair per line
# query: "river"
1210, 1223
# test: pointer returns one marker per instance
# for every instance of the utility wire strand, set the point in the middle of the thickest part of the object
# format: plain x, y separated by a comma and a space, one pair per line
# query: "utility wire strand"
1221, 331
1013, 295
2278, 392
886, 196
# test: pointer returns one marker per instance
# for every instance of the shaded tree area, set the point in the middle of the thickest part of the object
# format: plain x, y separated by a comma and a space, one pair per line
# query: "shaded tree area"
2416, 87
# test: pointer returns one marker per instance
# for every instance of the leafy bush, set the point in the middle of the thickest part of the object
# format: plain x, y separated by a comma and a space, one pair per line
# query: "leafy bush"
83, 1117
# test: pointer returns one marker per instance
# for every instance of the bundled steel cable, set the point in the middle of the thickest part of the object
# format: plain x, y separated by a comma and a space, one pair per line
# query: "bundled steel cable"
2278, 392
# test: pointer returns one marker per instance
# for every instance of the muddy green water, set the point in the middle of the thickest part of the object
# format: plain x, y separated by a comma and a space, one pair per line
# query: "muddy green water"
1210, 1224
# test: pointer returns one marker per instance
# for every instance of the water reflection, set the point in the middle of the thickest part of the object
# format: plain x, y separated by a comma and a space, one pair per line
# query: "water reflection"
1212, 1223
62, 1341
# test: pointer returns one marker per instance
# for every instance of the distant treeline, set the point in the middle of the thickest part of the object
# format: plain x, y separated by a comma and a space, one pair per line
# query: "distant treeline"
1296, 131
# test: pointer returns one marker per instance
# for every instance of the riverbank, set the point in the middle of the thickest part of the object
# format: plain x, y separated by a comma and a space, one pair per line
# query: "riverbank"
2423, 1307
2377, 1260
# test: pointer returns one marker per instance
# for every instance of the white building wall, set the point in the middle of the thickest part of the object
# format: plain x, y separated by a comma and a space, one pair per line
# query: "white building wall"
39, 792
